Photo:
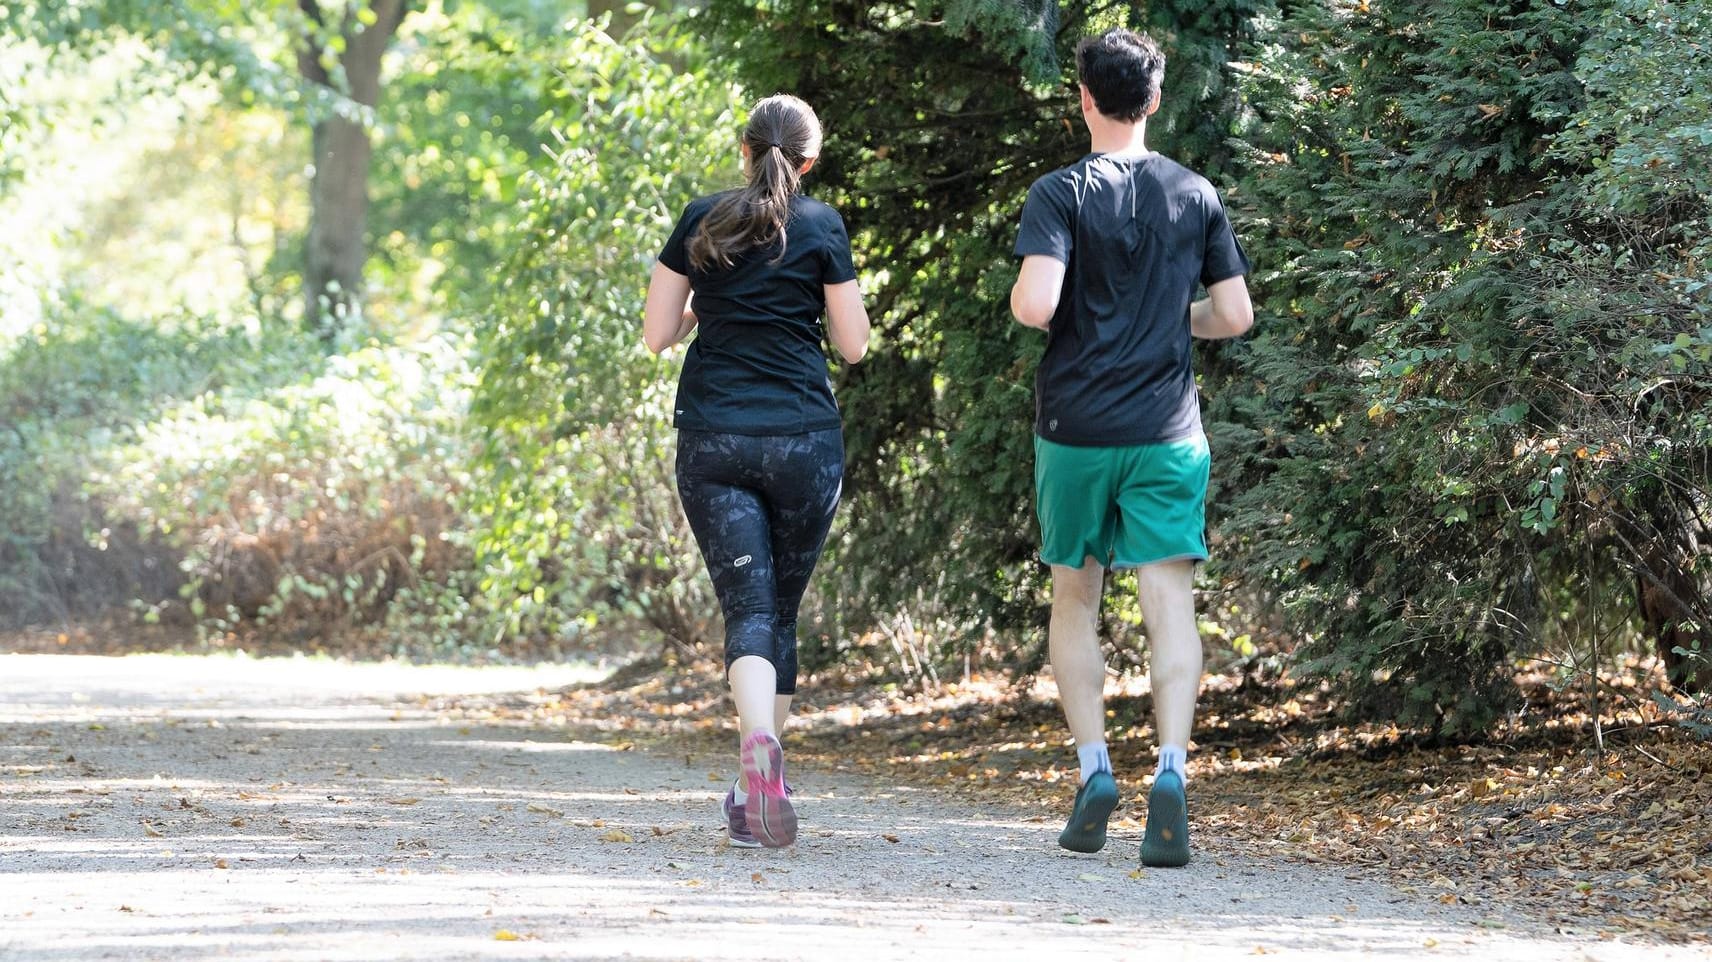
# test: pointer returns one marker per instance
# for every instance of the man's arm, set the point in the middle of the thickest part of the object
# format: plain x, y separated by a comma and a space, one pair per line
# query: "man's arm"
1225, 312
1034, 297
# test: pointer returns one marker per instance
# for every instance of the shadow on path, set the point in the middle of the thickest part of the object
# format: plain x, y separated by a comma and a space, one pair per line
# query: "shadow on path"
184, 808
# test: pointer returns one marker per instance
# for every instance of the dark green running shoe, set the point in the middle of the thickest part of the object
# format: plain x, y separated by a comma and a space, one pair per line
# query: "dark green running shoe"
1166, 844
1086, 831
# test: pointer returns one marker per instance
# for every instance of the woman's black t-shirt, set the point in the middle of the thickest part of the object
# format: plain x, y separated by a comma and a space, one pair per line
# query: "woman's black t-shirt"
756, 365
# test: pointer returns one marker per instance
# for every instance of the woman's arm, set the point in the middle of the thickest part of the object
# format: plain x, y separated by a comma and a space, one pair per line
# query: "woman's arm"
847, 320
664, 320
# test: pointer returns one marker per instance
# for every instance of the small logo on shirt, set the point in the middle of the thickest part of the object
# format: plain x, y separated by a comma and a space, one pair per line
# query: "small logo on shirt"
1052, 425
740, 562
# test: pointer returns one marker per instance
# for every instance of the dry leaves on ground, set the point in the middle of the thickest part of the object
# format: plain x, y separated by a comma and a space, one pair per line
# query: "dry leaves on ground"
1534, 818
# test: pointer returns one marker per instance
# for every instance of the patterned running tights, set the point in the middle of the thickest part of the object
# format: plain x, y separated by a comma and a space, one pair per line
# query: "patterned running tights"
760, 508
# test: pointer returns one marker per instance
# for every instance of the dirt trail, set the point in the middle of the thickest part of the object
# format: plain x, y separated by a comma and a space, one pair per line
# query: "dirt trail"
160, 807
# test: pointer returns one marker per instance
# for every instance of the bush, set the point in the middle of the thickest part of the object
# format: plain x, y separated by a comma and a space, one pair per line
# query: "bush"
315, 508
1475, 412
929, 160
72, 391
579, 525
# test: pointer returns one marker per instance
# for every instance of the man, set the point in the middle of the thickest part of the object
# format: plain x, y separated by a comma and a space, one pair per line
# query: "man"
1113, 248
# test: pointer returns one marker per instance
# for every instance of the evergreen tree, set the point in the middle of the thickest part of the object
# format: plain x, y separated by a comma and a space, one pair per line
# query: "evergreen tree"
937, 122
1449, 459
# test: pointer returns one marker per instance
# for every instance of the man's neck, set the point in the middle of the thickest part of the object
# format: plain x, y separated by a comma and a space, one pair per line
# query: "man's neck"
1112, 137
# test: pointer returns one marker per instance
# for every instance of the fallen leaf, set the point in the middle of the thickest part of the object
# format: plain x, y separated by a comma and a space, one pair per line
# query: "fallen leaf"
505, 935
406, 800
890, 838
616, 835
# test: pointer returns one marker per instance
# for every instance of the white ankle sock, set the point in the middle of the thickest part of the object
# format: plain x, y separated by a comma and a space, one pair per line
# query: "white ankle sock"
1173, 758
1094, 759
738, 795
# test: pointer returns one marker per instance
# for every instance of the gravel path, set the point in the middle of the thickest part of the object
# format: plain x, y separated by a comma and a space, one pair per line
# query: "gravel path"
161, 807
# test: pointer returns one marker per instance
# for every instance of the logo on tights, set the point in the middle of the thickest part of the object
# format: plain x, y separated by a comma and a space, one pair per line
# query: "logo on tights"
740, 562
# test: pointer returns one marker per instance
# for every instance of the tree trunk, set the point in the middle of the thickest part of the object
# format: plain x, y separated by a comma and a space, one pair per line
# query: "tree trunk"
339, 187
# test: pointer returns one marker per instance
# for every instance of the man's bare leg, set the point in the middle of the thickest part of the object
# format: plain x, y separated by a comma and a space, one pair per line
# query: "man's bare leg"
1080, 669
1167, 595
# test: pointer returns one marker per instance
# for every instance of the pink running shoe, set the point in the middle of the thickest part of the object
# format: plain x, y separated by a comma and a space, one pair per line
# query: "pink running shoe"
737, 822
772, 820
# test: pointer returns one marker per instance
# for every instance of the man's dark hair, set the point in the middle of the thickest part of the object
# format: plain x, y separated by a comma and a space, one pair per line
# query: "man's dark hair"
1122, 70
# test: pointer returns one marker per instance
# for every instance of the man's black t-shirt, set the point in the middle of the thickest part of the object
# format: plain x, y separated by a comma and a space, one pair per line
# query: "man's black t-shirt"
756, 365
1136, 233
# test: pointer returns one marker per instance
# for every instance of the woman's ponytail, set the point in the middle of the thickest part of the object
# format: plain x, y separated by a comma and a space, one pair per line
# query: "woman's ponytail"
782, 133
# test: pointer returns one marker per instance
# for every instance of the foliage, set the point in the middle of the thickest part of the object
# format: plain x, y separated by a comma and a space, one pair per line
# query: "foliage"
1471, 429
324, 504
579, 519
929, 159
453, 130
73, 390
462, 123
13, 116
1452, 429
1474, 419
331, 503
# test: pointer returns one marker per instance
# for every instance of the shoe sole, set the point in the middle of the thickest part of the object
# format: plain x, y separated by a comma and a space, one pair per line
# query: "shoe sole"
1086, 832
1166, 843
768, 812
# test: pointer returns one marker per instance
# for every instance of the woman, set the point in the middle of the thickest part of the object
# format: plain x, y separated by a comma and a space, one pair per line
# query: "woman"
760, 444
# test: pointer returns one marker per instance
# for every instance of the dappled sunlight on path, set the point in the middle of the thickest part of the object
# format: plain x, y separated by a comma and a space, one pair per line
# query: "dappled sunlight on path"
192, 808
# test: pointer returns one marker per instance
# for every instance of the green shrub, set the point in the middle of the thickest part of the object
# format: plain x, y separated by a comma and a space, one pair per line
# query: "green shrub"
578, 522
73, 390
929, 159
1475, 411
318, 507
